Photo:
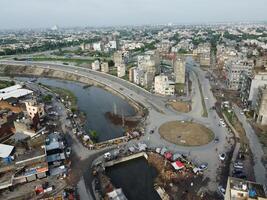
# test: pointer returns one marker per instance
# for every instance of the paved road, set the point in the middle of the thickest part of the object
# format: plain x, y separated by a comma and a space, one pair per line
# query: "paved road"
255, 146
159, 113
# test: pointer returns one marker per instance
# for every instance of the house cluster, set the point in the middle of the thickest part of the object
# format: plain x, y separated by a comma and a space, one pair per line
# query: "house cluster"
29, 148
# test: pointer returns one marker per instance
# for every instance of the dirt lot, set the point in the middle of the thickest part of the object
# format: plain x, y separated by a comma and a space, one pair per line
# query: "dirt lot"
186, 134
180, 106
6, 105
261, 131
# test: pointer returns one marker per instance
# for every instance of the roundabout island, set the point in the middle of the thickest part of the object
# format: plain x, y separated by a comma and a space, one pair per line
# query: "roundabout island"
186, 133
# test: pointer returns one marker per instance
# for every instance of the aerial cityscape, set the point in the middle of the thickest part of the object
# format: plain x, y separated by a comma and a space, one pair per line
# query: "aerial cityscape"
133, 100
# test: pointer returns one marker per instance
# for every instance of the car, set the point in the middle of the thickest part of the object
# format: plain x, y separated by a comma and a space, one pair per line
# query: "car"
206, 98
203, 166
241, 175
241, 113
222, 156
236, 172
216, 140
238, 166
221, 190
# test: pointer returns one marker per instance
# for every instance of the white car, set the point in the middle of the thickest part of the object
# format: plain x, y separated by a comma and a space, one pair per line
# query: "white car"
238, 165
206, 98
222, 156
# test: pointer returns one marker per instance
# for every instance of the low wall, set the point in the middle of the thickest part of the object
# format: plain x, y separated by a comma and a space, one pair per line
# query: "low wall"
126, 158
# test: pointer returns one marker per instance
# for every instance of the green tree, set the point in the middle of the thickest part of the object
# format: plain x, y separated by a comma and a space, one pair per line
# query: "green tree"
94, 135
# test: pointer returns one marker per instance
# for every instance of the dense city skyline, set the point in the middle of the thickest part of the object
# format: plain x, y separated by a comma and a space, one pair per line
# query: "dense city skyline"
66, 13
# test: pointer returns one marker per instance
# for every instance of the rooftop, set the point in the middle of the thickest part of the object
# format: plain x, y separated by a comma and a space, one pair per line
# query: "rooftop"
5, 150
253, 189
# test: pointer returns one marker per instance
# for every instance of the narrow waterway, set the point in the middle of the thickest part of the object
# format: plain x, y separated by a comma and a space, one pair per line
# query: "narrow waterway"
95, 102
136, 178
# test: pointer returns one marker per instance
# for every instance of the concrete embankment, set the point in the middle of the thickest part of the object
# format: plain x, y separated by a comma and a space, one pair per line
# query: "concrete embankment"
19, 70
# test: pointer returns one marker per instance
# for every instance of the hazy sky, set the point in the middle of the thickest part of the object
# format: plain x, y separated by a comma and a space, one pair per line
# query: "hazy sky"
46, 13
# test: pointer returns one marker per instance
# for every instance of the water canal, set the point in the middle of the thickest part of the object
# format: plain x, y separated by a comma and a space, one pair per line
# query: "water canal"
95, 102
136, 178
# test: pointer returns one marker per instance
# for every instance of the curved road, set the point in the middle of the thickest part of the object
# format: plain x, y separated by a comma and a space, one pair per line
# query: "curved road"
159, 113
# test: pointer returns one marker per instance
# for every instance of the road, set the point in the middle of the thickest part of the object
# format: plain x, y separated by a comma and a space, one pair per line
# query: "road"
255, 146
159, 113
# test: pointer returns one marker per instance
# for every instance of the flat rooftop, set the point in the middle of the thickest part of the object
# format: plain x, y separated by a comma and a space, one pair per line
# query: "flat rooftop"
246, 186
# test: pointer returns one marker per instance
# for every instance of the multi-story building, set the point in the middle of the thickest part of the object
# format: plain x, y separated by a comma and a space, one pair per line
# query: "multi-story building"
233, 70
163, 86
203, 52
260, 111
33, 108
104, 67
240, 189
118, 58
179, 70
96, 65
131, 74
121, 70
98, 46
244, 87
249, 85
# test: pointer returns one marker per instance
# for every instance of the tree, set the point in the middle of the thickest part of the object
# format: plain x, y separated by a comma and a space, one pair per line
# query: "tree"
94, 135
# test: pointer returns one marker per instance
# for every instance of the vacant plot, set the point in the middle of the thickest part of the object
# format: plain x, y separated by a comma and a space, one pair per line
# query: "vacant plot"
186, 133
180, 106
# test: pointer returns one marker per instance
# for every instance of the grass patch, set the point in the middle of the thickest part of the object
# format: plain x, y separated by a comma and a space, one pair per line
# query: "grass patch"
204, 111
179, 88
5, 84
65, 94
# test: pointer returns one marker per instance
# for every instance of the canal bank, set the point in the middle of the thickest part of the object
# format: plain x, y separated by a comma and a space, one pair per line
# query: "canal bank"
95, 102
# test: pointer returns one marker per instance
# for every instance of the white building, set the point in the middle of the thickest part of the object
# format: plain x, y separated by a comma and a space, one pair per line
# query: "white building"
15, 91
96, 65
121, 70
258, 81
233, 70
163, 86
104, 67
179, 70
98, 46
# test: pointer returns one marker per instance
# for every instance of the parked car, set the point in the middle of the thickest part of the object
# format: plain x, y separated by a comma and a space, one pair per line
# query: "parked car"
216, 140
238, 165
221, 190
203, 166
242, 176
222, 156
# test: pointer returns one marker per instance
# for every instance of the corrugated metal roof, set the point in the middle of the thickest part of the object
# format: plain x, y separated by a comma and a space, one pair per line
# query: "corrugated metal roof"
5, 150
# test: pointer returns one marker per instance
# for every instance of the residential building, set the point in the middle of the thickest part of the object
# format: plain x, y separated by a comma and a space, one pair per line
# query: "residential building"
240, 189
203, 53
179, 70
131, 74
118, 58
260, 111
233, 70
163, 86
96, 65
257, 81
98, 46
104, 67
33, 108
121, 70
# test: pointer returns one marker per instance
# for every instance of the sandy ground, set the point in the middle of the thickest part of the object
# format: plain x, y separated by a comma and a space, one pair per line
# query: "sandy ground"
188, 134
6, 105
